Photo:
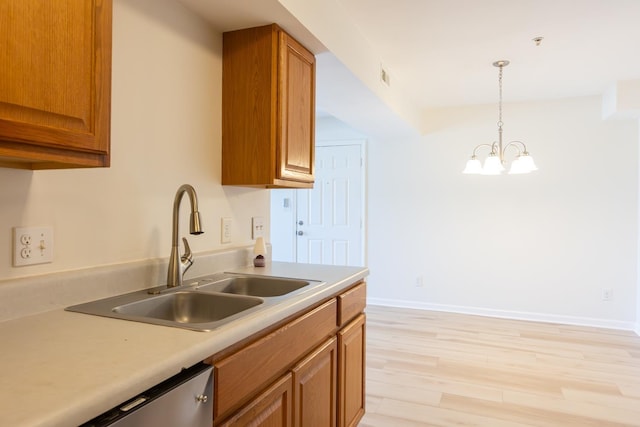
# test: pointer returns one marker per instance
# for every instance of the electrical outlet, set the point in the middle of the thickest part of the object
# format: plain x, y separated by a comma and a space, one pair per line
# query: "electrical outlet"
32, 245
419, 282
257, 227
607, 294
25, 253
225, 232
25, 239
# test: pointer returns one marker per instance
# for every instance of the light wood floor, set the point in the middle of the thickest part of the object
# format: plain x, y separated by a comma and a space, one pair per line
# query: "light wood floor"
429, 368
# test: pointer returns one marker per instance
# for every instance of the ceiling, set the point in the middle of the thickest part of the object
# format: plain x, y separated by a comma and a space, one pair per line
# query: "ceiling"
439, 53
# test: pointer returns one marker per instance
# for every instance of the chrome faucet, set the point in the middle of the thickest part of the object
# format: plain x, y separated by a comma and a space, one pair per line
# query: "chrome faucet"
178, 265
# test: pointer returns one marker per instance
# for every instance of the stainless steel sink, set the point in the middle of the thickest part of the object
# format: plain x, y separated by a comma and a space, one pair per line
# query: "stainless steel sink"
258, 286
188, 307
201, 304
183, 308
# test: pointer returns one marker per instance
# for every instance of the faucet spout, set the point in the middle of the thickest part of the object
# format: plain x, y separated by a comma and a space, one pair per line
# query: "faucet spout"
178, 265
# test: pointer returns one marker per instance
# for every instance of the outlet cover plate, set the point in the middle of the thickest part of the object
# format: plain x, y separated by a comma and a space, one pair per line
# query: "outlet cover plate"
257, 227
225, 230
32, 245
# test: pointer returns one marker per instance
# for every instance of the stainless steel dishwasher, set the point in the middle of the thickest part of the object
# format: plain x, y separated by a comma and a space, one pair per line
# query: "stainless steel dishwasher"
184, 400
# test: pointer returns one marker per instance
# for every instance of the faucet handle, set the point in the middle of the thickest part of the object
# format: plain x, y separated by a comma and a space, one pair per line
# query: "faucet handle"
187, 258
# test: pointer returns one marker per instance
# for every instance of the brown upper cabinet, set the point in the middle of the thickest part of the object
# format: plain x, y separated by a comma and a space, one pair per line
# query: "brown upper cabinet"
268, 109
55, 90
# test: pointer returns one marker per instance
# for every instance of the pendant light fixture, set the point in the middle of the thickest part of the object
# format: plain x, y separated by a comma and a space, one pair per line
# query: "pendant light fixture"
494, 163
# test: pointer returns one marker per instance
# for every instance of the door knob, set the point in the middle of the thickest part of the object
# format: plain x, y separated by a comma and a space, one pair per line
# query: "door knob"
300, 233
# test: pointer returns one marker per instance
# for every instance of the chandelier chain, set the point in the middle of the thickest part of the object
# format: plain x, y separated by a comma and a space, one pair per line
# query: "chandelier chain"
500, 98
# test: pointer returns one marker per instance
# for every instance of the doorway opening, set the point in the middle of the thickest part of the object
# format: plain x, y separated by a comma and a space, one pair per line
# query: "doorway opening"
325, 224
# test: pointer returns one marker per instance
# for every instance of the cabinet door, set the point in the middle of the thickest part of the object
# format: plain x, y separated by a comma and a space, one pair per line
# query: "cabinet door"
271, 409
351, 366
56, 83
315, 388
296, 109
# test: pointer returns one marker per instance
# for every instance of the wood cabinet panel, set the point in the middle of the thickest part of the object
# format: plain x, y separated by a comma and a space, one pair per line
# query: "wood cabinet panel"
351, 303
249, 105
271, 409
351, 374
315, 388
241, 375
297, 110
55, 94
268, 109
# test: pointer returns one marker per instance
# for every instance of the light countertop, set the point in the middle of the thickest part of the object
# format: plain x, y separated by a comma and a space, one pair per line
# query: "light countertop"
60, 368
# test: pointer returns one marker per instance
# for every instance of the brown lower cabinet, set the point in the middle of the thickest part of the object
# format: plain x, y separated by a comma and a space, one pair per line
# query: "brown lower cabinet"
308, 371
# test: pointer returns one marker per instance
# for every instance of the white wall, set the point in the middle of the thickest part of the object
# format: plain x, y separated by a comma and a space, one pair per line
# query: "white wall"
166, 131
540, 246
329, 128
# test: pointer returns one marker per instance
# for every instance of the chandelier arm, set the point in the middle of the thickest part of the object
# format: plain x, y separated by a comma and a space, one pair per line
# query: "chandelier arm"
523, 146
482, 145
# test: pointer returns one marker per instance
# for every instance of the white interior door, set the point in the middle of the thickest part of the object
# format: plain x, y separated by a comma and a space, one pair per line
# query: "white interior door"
329, 217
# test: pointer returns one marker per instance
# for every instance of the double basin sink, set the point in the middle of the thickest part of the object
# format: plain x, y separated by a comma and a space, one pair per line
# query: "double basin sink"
201, 304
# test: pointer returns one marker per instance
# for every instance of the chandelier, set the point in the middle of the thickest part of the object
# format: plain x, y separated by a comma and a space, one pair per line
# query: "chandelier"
495, 161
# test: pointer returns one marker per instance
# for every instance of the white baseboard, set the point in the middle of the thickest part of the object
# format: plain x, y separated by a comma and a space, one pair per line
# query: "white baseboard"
508, 314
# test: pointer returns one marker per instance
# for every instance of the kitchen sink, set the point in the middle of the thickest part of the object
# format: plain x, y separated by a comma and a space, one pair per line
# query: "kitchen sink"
188, 307
181, 308
201, 304
258, 286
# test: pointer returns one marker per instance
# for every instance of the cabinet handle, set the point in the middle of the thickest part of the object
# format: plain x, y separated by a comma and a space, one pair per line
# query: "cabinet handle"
301, 222
202, 398
300, 233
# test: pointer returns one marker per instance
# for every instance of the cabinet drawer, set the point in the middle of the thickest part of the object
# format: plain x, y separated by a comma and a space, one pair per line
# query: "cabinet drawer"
351, 303
239, 376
